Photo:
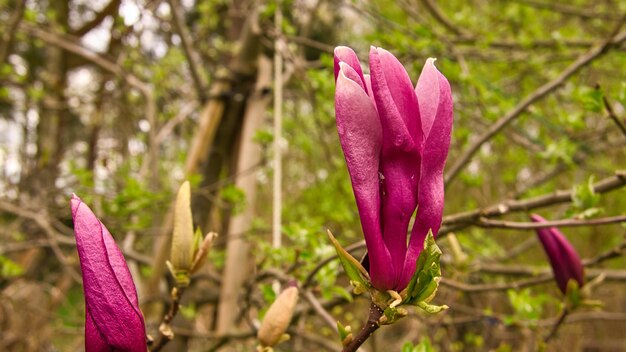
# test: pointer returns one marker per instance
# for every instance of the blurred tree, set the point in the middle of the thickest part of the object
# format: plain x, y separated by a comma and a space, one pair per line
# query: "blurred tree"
119, 101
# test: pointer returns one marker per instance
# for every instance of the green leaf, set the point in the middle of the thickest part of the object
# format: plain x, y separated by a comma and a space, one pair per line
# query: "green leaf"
391, 315
345, 333
355, 271
9, 268
425, 281
431, 308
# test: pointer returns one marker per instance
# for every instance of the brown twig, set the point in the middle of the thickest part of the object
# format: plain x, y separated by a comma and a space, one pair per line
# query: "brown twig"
613, 115
8, 37
368, 329
556, 325
319, 309
193, 58
53, 237
513, 225
461, 220
166, 334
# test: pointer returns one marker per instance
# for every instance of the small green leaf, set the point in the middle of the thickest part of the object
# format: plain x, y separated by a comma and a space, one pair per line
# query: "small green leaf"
355, 271
345, 333
431, 308
573, 294
391, 315
425, 281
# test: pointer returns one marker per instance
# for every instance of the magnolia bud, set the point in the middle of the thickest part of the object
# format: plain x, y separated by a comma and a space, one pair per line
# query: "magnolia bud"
181, 257
278, 316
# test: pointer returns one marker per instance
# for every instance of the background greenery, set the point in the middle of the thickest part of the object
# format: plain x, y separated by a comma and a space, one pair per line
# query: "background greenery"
106, 98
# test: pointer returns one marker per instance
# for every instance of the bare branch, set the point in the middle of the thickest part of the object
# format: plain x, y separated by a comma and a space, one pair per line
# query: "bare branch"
461, 220
9, 32
193, 58
513, 225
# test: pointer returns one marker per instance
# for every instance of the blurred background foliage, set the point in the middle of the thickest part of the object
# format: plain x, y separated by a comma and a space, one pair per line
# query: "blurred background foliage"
119, 101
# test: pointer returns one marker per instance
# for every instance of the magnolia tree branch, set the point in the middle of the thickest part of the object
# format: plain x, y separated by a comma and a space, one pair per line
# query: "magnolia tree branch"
8, 37
461, 220
319, 309
193, 58
166, 334
555, 327
368, 329
612, 275
513, 225
594, 53
613, 115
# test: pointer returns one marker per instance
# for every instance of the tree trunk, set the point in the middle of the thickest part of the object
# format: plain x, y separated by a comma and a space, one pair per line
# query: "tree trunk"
239, 264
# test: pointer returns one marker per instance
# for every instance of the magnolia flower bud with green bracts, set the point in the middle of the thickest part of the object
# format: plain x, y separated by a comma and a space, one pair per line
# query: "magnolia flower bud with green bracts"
189, 248
277, 318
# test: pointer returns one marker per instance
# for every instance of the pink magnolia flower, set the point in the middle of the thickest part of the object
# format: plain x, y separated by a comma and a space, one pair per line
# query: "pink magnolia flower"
563, 258
113, 321
395, 139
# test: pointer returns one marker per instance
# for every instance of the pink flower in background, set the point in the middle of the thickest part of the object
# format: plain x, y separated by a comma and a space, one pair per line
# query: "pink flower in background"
113, 320
395, 139
563, 258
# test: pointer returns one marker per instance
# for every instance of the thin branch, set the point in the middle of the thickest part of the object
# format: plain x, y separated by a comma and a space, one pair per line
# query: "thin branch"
516, 285
192, 56
513, 225
107, 11
41, 219
367, 330
594, 53
9, 32
560, 320
68, 43
613, 115
166, 334
571, 10
609, 254
319, 309
169, 126
436, 12
461, 220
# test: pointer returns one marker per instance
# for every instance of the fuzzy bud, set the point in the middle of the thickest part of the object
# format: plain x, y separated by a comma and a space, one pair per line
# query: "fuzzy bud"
277, 318
182, 250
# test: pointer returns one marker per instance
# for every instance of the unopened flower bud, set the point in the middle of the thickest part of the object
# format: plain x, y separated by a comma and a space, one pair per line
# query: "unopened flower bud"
277, 318
181, 257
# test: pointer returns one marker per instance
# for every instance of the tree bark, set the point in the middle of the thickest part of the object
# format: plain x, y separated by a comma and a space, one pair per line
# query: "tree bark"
239, 263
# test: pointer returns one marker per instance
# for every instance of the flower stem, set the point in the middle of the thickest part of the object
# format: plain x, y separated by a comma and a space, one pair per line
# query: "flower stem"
556, 326
165, 330
372, 324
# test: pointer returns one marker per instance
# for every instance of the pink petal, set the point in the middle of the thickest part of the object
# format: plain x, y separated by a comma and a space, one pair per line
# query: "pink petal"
435, 99
110, 294
347, 55
402, 134
94, 341
395, 100
361, 137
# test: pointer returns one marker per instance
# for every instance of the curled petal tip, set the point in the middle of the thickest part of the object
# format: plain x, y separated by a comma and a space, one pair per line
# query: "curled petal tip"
74, 205
341, 49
